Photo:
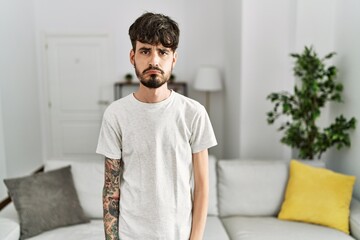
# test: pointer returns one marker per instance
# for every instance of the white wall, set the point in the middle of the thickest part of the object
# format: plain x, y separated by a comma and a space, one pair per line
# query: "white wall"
248, 40
111, 16
232, 62
19, 90
3, 175
22, 26
347, 38
270, 32
202, 44
201, 37
315, 25
265, 46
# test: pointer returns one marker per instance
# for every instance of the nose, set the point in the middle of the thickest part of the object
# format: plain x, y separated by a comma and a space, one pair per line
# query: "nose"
154, 59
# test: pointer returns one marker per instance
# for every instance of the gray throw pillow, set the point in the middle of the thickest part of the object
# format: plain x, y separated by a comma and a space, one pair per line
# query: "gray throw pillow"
45, 201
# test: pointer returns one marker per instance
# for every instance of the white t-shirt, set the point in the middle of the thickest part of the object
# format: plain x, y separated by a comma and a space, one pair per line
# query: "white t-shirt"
155, 141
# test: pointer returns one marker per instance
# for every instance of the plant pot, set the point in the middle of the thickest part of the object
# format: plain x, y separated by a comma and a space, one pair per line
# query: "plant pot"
313, 162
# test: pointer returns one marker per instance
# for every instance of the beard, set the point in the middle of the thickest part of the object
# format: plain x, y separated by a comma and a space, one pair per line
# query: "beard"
154, 80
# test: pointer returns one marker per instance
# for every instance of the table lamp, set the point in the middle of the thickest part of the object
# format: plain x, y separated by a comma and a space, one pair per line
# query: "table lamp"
208, 80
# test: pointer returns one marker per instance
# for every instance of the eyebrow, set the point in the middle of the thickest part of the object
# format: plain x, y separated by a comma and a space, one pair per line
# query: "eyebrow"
144, 48
164, 49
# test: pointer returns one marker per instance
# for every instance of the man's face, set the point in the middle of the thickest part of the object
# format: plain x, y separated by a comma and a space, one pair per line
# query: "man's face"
153, 64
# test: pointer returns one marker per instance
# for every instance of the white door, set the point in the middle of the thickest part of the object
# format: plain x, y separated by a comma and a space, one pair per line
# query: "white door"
80, 75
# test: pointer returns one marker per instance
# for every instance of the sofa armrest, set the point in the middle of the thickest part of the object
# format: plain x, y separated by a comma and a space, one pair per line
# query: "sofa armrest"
355, 218
9, 229
9, 223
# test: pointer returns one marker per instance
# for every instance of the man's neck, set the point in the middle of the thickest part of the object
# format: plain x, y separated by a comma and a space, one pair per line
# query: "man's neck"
152, 95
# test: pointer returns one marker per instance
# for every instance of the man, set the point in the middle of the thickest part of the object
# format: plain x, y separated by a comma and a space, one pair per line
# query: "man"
154, 142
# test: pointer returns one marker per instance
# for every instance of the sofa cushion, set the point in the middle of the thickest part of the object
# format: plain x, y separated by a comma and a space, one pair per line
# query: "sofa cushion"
45, 201
214, 229
213, 207
88, 179
251, 187
271, 228
355, 218
89, 231
9, 229
318, 195
9, 212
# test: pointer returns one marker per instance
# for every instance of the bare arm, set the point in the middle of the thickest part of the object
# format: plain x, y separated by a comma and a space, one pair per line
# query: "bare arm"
201, 194
111, 196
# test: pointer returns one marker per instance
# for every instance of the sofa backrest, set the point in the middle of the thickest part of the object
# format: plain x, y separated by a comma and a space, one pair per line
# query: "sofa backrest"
251, 187
88, 180
213, 203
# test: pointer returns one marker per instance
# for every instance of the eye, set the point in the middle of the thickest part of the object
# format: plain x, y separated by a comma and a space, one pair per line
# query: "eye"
164, 52
145, 52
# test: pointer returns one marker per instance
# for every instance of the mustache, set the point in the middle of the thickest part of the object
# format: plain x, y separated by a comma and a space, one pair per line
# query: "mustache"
153, 68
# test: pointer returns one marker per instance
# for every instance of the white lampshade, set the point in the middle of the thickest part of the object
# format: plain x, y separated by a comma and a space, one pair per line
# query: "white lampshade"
208, 79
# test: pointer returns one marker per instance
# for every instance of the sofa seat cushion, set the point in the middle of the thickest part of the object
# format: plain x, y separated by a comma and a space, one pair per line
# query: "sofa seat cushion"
89, 231
9, 223
271, 228
9, 229
214, 229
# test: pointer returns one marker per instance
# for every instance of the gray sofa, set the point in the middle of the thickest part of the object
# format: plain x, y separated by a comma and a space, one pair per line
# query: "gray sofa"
250, 194
245, 197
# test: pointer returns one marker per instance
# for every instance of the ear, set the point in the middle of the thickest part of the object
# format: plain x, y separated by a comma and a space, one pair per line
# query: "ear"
132, 56
175, 58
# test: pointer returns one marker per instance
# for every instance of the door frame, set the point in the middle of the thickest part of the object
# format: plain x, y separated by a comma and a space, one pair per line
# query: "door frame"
43, 77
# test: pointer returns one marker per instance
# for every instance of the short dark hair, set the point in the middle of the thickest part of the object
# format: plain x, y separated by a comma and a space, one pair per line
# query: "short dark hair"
153, 28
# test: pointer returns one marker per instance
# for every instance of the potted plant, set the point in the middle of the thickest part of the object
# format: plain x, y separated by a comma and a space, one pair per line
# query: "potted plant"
299, 111
128, 77
172, 78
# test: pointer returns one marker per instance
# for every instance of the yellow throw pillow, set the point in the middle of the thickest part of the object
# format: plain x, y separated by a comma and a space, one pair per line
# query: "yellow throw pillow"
317, 195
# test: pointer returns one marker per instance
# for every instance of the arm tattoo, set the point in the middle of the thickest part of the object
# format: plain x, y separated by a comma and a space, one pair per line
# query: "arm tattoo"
111, 197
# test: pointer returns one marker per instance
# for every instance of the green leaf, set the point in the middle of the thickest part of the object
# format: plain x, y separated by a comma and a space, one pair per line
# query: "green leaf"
330, 55
315, 86
339, 87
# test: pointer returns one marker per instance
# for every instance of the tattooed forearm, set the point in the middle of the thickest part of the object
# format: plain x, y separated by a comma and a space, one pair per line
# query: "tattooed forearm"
111, 196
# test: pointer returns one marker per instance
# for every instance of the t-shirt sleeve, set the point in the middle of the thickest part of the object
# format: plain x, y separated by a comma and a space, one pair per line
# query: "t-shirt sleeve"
109, 143
202, 133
